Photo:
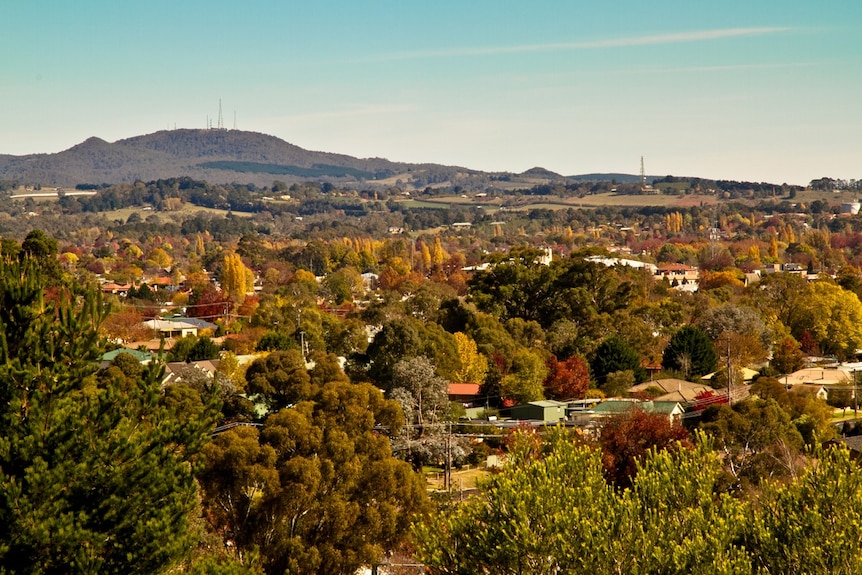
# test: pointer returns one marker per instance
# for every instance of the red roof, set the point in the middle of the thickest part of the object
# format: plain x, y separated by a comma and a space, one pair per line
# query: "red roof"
463, 389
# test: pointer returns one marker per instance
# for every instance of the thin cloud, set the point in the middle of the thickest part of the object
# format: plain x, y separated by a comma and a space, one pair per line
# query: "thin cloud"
658, 39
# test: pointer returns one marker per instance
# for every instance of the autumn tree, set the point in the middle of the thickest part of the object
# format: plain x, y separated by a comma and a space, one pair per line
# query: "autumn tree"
567, 379
788, 356
236, 279
474, 365
626, 439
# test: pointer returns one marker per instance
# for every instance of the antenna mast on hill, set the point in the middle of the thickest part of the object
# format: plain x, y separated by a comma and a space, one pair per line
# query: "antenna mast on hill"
643, 173
220, 119
234, 119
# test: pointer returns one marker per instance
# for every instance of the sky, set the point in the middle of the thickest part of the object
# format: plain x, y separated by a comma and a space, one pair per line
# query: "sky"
756, 90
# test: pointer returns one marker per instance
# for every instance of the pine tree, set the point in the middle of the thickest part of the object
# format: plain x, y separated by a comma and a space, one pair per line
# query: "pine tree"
95, 476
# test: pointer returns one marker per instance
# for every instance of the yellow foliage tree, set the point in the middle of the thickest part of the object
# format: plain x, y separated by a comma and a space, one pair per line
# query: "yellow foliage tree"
236, 279
474, 365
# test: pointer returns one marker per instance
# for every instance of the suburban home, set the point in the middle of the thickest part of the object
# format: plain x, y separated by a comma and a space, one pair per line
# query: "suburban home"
463, 392
143, 357
679, 273
114, 288
819, 381
170, 329
747, 375
672, 409
817, 376
174, 369
546, 410
670, 389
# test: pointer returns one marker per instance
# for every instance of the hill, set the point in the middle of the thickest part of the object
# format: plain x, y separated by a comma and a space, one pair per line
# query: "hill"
228, 156
217, 156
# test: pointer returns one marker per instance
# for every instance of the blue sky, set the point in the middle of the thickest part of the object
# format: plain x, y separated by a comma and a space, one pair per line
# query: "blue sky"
763, 90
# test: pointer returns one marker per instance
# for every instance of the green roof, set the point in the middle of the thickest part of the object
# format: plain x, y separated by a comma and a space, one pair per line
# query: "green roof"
141, 356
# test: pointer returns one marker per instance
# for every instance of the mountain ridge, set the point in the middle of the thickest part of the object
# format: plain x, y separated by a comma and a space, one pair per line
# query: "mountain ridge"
236, 156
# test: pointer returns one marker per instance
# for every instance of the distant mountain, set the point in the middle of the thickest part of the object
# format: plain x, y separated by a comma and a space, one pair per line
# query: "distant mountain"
227, 156
217, 156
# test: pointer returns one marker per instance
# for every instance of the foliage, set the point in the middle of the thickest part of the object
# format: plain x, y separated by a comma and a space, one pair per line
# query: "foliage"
757, 438
788, 356
474, 366
567, 379
316, 490
557, 514
95, 476
524, 383
626, 439
613, 355
690, 352
280, 378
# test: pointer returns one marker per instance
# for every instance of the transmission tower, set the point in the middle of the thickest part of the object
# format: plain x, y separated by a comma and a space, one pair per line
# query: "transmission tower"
643, 173
220, 119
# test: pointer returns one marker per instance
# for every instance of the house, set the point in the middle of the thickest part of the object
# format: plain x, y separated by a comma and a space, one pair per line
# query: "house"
672, 409
670, 389
143, 357
819, 380
171, 329
678, 275
463, 392
546, 410
817, 376
747, 375
175, 369
113, 288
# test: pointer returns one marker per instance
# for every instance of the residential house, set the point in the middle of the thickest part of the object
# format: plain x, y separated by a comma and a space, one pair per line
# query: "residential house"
670, 389
547, 410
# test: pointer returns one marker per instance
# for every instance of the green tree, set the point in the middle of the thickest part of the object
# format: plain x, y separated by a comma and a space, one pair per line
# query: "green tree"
812, 525
555, 513
758, 439
95, 475
524, 383
613, 355
280, 378
317, 489
691, 352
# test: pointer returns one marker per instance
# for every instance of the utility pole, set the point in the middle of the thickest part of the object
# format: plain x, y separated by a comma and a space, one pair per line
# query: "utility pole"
447, 473
729, 374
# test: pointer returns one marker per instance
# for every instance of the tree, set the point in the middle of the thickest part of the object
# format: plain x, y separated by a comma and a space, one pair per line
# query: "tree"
757, 438
612, 355
236, 279
813, 525
567, 379
788, 356
474, 366
691, 352
556, 513
834, 318
626, 439
95, 475
280, 378
317, 489
524, 383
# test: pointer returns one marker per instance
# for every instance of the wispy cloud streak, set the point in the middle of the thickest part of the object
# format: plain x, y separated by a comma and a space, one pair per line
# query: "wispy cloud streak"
658, 39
